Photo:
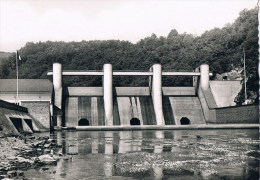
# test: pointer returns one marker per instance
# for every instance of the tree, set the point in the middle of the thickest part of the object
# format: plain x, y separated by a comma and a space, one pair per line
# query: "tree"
221, 48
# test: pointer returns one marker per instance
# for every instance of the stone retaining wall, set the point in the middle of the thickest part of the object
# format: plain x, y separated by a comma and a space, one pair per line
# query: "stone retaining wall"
40, 111
238, 114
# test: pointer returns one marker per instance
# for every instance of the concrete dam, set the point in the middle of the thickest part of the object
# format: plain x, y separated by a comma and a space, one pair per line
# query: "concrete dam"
128, 109
203, 103
109, 105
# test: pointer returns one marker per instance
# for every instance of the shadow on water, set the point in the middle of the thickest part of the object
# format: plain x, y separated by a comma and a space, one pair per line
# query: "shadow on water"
207, 154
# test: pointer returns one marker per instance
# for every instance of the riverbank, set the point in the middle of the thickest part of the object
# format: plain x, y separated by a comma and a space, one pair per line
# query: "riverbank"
21, 152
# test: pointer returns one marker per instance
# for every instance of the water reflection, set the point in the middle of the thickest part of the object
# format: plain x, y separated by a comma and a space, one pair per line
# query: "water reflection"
94, 143
158, 148
158, 154
109, 142
125, 142
108, 164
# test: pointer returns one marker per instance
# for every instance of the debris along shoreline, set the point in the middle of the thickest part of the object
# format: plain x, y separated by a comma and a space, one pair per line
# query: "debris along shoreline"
21, 152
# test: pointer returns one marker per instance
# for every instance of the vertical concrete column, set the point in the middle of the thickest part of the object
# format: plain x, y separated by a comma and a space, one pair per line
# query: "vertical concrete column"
157, 93
108, 94
204, 76
57, 84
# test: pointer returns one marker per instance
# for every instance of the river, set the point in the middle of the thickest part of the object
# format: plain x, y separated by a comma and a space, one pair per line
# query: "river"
176, 154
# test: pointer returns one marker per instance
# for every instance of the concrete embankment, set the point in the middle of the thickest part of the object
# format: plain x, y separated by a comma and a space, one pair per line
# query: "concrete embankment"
16, 119
168, 127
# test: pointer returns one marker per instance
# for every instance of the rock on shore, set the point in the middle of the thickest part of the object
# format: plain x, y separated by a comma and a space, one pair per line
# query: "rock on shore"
19, 153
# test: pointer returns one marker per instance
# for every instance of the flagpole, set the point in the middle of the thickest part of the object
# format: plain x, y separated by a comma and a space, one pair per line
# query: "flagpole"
17, 78
245, 72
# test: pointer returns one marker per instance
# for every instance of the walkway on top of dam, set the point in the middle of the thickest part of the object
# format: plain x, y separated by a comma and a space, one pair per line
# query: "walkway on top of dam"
125, 73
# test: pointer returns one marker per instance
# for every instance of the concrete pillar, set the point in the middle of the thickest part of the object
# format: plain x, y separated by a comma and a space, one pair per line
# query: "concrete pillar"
108, 94
57, 84
204, 76
157, 94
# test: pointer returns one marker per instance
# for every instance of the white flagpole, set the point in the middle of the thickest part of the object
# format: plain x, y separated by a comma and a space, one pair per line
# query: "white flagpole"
17, 87
245, 72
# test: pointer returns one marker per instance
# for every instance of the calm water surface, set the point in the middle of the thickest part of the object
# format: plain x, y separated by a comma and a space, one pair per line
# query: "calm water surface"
175, 154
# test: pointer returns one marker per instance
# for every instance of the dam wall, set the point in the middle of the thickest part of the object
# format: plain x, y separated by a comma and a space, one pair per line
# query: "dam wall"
91, 108
136, 107
128, 91
152, 105
185, 107
131, 102
88, 108
126, 105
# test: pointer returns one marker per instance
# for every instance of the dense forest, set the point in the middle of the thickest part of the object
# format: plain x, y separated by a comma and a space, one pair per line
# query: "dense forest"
221, 48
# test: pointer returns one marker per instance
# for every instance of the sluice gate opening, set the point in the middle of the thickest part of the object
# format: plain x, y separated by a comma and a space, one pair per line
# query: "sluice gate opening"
29, 123
18, 124
135, 121
184, 121
83, 122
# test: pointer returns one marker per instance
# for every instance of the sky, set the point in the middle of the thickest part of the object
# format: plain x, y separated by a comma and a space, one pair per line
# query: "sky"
24, 21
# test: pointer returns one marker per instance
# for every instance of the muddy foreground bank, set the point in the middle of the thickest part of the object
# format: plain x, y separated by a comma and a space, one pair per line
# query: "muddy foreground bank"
21, 152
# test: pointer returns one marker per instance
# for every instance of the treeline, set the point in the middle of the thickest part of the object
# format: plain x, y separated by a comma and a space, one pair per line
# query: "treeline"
221, 48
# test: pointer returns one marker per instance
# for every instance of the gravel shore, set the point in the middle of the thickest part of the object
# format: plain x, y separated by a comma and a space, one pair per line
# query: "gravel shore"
21, 152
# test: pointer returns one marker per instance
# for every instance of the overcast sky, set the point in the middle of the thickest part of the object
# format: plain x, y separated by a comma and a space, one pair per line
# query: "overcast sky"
24, 21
